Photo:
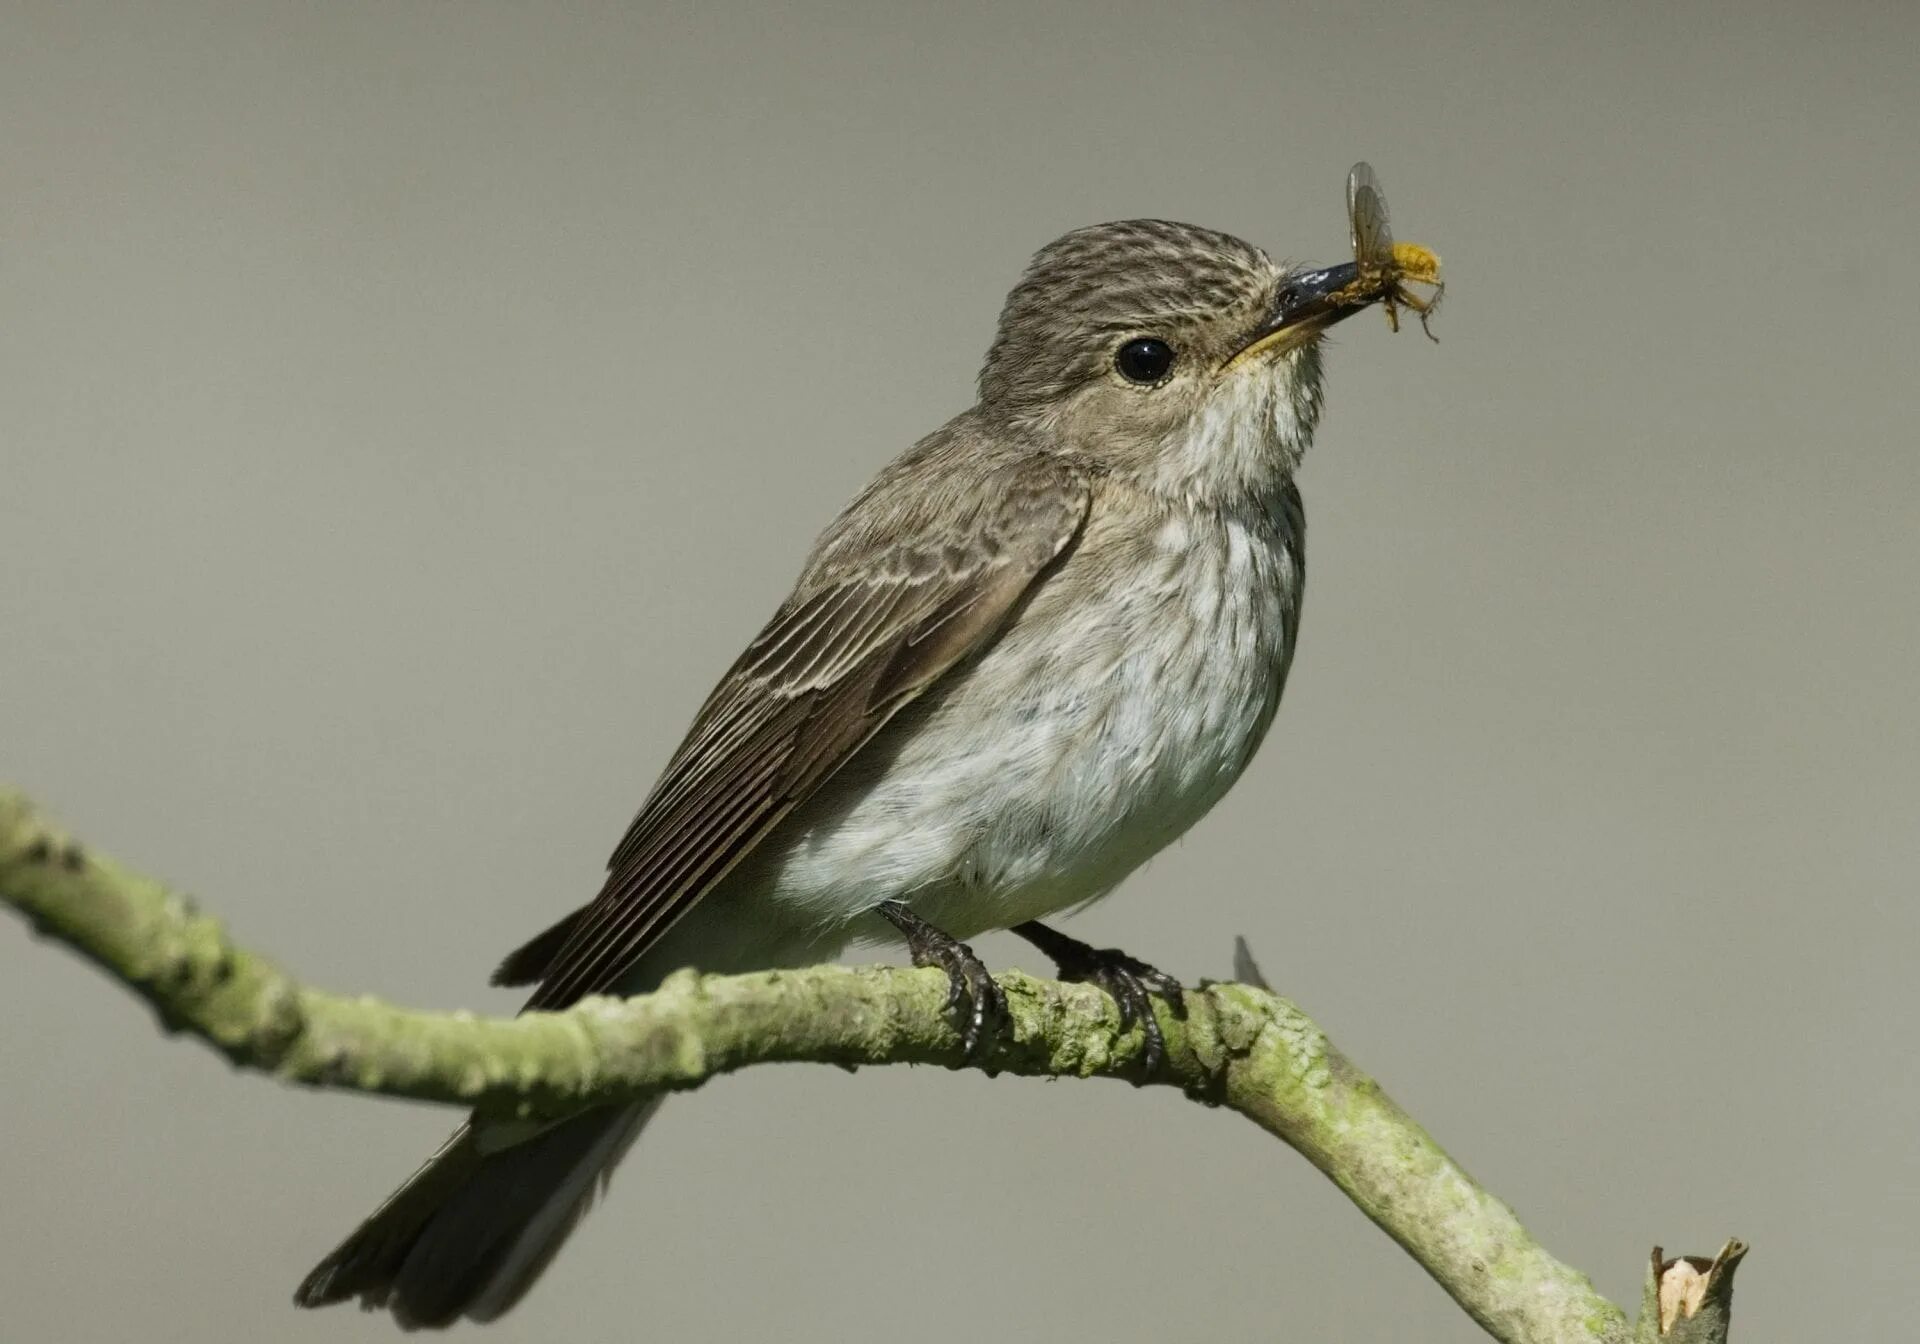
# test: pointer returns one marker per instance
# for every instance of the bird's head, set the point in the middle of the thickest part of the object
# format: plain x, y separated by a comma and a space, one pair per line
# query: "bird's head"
1183, 357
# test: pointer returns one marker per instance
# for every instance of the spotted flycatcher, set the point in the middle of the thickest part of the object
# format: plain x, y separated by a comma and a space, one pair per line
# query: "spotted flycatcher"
1037, 648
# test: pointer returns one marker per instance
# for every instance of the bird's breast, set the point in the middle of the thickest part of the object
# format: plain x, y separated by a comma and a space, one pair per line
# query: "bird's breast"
1124, 699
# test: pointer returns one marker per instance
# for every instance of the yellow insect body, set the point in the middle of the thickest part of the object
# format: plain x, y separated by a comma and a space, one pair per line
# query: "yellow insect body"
1416, 263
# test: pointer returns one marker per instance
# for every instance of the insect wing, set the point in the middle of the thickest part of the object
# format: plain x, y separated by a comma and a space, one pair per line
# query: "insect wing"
1367, 220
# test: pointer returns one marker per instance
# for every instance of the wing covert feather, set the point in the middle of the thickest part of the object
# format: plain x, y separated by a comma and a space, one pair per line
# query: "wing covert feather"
876, 619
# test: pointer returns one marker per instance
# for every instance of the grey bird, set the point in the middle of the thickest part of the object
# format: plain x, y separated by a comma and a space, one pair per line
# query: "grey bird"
1032, 652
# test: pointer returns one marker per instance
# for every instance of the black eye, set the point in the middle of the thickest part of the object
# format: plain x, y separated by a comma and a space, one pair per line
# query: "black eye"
1144, 360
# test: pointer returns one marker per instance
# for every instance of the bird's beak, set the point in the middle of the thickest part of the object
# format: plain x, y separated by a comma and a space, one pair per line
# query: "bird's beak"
1309, 303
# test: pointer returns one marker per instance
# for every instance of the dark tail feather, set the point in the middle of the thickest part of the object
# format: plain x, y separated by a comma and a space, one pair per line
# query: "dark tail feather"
365, 1263
469, 1232
529, 962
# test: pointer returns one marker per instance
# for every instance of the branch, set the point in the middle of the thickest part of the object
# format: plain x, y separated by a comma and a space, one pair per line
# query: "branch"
1689, 1300
1237, 1046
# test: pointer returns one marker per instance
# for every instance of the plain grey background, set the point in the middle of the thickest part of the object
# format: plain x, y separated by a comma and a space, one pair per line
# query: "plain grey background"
408, 409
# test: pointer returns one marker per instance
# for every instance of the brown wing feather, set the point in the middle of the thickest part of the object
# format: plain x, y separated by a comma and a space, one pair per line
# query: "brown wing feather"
824, 676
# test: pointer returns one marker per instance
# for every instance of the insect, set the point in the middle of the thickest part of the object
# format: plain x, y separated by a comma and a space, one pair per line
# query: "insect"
1387, 266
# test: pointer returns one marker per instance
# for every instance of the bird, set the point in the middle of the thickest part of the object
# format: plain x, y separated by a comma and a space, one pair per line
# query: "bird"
1033, 651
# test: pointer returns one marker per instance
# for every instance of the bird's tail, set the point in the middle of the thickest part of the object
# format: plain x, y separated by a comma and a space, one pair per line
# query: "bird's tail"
469, 1232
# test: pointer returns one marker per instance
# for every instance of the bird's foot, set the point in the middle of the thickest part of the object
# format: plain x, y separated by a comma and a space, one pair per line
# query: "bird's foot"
972, 996
1130, 981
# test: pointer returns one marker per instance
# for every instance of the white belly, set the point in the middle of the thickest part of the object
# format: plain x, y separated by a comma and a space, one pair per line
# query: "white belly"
1091, 735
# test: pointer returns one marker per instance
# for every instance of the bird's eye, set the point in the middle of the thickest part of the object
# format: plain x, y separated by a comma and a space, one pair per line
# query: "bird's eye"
1144, 360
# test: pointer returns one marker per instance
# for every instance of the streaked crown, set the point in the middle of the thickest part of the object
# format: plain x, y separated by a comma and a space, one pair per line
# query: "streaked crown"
1091, 289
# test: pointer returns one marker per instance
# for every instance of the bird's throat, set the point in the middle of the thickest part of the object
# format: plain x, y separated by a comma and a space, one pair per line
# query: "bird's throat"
1243, 444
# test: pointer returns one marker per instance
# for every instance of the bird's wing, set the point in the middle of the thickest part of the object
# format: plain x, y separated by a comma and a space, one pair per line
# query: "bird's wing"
835, 663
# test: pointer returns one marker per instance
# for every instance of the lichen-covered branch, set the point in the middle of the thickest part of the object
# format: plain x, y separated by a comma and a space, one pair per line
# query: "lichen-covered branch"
1237, 1046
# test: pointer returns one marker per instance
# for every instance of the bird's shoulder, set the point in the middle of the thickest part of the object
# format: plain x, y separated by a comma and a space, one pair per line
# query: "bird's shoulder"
966, 497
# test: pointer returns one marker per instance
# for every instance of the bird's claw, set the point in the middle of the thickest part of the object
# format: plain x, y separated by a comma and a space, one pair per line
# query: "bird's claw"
973, 998
1130, 982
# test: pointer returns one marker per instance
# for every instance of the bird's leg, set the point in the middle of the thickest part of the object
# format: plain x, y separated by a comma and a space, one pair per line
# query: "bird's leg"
971, 993
1129, 980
